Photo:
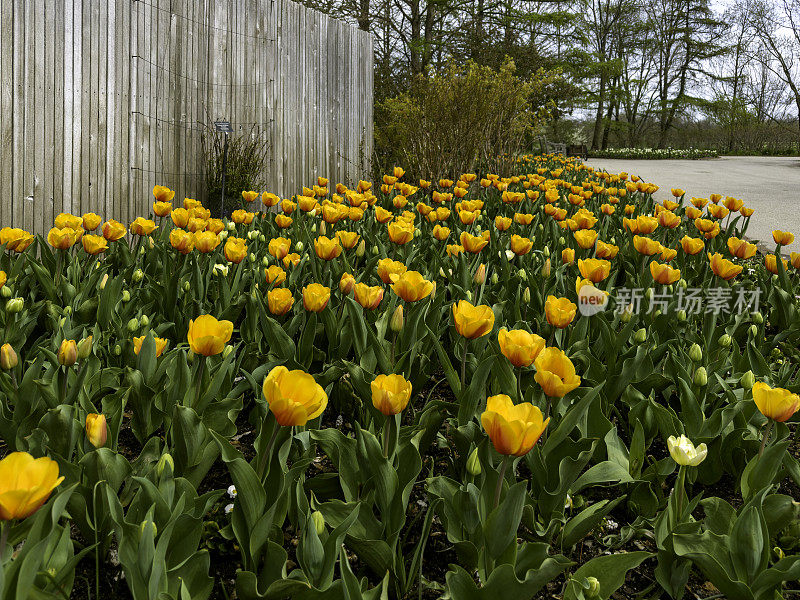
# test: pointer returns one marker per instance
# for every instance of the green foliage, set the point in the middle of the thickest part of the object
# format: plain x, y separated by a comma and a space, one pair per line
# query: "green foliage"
460, 119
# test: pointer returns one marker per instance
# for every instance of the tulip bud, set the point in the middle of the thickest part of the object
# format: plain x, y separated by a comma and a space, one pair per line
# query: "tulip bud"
265, 261
474, 463
626, 314
561, 240
753, 330
138, 275
681, 316
779, 553
522, 275
533, 239
748, 380
61, 322
68, 353
361, 249
593, 591
126, 296
758, 318
117, 350
433, 291
5, 291
67, 310
494, 278
103, 281
526, 295
227, 350
397, 321
251, 257
375, 250
480, 275
657, 313
145, 524
469, 295
649, 294
700, 377
252, 234
96, 430
319, 522
695, 353
85, 347
724, 341
163, 462
223, 235
15, 305
314, 228
541, 227
682, 283
144, 320
133, 324
186, 286
546, 251
230, 225
323, 229
640, 336
8, 358
546, 269
299, 246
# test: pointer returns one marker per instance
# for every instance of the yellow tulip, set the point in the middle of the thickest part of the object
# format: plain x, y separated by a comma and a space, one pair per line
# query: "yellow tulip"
96, 430
784, 238
143, 226
249, 196
646, 246
326, 248
206, 241
25, 484
520, 245
722, 267
603, 250
279, 247
15, 239
113, 230
235, 249
559, 311
400, 232
471, 321
368, 296
70, 221
520, 347
664, 274
8, 357
61, 239
181, 240
502, 223
390, 393
316, 297
568, 256
692, 245
180, 216
275, 275
585, 238
555, 373
388, 267
594, 269
161, 209
242, 216
777, 404
163, 194
207, 336
771, 263
161, 345
348, 239
280, 301
294, 397
68, 353
411, 286
474, 243
94, 244
283, 221
513, 429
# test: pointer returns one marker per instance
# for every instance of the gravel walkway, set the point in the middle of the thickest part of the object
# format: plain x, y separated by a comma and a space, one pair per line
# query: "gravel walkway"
770, 185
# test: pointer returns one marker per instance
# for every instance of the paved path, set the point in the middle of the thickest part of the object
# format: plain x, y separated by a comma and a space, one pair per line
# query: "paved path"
770, 185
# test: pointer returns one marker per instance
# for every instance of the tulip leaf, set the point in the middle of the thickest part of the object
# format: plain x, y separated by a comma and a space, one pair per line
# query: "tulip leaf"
610, 572
581, 524
570, 420
500, 527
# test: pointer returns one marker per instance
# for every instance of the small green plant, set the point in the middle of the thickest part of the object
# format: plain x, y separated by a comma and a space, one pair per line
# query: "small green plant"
245, 166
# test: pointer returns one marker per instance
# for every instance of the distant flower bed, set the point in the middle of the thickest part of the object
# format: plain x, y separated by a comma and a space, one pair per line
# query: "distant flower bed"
653, 153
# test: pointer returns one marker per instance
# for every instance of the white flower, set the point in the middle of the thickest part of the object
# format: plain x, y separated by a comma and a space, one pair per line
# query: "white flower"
684, 452
232, 491
510, 254
221, 270
229, 508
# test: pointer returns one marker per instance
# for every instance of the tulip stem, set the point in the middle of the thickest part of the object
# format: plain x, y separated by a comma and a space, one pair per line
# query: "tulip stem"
680, 484
4, 527
519, 385
765, 437
464, 368
501, 476
198, 380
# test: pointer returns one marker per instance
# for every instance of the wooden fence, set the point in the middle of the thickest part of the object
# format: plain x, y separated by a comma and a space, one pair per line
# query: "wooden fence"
101, 100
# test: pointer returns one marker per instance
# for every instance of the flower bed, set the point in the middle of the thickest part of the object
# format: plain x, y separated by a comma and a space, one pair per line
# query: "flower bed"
653, 153
538, 385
